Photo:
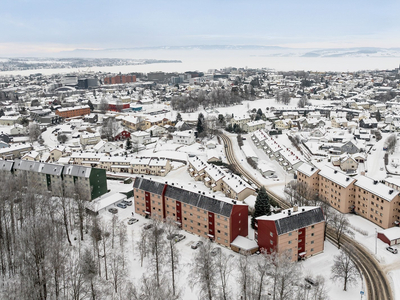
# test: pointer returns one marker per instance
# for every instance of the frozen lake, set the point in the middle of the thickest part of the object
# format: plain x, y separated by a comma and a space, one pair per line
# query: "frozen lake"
204, 60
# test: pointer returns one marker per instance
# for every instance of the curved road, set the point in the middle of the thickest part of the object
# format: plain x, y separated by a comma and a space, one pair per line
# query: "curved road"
376, 281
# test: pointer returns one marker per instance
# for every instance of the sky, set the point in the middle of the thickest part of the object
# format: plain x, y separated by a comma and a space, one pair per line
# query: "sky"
49, 26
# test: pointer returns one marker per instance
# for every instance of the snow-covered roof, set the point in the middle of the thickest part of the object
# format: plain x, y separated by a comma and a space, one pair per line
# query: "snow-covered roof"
336, 176
391, 233
102, 203
307, 169
377, 188
244, 243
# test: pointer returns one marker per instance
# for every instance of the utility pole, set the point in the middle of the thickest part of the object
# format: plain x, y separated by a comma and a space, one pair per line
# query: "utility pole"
376, 240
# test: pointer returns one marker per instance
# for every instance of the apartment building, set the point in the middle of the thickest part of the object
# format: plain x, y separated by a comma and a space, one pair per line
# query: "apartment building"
299, 231
58, 178
309, 175
196, 213
337, 189
369, 198
377, 202
120, 79
70, 112
92, 182
15, 151
218, 180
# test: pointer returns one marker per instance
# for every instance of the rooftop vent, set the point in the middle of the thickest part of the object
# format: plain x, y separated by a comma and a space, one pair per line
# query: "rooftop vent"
348, 178
312, 169
335, 171
172, 183
204, 193
375, 181
303, 209
214, 196
391, 192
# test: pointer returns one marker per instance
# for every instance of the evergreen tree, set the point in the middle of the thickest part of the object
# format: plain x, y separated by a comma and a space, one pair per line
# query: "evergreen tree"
178, 118
90, 104
200, 123
378, 116
128, 144
262, 206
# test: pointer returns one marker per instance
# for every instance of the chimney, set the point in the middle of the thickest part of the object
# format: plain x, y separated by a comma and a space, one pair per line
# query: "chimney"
295, 208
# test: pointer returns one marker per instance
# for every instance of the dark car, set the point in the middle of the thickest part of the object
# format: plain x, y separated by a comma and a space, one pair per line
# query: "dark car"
121, 205
113, 210
196, 244
311, 281
132, 221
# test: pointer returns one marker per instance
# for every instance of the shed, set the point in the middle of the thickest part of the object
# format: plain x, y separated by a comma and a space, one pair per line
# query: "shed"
243, 244
390, 236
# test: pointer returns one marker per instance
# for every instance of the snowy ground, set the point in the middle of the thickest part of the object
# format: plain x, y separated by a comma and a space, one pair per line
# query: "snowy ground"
389, 262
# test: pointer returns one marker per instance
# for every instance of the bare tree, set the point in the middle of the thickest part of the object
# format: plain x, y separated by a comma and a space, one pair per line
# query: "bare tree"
319, 290
390, 143
109, 129
203, 273
171, 230
156, 246
303, 102
260, 276
284, 274
245, 276
224, 264
89, 271
34, 132
341, 227
103, 105
344, 269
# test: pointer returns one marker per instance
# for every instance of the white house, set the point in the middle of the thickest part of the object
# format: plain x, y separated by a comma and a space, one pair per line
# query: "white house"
184, 137
140, 137
105, 147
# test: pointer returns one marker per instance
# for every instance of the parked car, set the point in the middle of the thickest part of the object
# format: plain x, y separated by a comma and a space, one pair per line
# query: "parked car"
215, 251
148, 226
391, 249
127, 202
196, 244
113, 210
171, 236
132, 221
311, 281
179, 237
121, 205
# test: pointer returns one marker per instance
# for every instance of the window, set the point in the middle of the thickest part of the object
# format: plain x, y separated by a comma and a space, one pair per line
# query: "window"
290, 234
289, 242
271, 234
272, 242
312, 242
312, 226
312, 234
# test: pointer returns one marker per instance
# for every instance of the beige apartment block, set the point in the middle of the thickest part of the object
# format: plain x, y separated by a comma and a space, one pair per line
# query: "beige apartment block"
337, 189
309, 175
377, 202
